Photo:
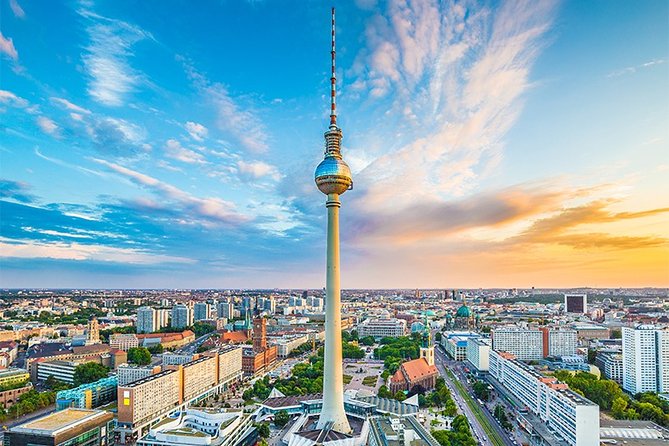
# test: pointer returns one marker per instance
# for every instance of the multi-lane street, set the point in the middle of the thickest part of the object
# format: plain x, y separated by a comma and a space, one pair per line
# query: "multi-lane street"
490, 435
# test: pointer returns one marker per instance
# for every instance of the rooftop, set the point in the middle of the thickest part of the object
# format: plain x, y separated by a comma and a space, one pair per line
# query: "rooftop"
58, 421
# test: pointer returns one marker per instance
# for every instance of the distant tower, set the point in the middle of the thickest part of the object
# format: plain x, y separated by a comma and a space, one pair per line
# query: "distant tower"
333, 178
426, 346
93, 335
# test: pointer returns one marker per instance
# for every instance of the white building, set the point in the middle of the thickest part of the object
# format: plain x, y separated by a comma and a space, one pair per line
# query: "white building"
380, 328
287, 344
127, 373
611, 365
561, 342
645, 359
146, 320
478, 353
455, 344
524, 344
61, 370
123, 341
182, 316
572, 417
176, 358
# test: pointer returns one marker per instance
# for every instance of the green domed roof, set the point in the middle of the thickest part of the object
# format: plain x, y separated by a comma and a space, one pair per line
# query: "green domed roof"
463, 311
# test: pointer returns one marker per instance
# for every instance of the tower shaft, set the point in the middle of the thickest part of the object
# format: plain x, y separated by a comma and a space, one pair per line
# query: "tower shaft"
333, 384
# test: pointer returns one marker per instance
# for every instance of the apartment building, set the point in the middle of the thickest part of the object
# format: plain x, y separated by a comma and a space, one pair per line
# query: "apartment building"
123, 341
478, 353
524, 344
574, 418
127, 373
380, 328
645, 359
611, 365
147, 320
146, 401
287, 344
560, 342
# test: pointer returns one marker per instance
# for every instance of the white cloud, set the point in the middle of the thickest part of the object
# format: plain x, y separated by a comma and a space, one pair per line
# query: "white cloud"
106, 58
176, 151
635, 68
257, 169
70, 106
16, 9
242, 123
456, 76
209, 209
9, 97
197, 131
7, 47
77, 251
47, 126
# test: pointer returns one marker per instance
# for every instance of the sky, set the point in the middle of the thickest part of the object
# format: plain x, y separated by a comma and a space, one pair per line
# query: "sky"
492, 143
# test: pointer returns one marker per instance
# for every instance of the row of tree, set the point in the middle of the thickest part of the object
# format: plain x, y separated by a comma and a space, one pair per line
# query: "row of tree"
27, 403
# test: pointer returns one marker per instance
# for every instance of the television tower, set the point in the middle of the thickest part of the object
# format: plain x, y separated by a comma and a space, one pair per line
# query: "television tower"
333, 178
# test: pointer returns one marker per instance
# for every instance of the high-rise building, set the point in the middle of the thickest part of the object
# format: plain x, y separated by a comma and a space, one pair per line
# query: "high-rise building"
162, 318
182, 316
559, 342
611, 365
478, 353
147, 320
200, 311
645, 359
225, 309
576, 303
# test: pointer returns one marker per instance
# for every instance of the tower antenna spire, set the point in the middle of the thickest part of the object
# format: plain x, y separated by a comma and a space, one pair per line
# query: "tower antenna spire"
333, 78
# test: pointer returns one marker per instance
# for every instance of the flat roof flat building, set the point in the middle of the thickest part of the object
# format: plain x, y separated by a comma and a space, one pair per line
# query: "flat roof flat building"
380, 328
65, 427
576, 303
645, 359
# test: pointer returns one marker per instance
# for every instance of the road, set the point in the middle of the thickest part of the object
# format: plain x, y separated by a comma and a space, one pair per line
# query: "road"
190, 349
484, 426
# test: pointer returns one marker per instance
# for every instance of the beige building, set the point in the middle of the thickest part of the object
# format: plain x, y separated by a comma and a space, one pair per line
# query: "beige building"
123, 341
199, 375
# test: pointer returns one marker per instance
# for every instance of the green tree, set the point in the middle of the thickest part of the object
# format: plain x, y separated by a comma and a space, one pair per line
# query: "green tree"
263, 430
139, 355
384, 392
367, 340
481, 390
400, 396
156, 349
618, 408
89, 372
281, 418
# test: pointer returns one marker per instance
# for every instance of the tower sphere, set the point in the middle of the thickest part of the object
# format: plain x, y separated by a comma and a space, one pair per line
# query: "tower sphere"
333, 176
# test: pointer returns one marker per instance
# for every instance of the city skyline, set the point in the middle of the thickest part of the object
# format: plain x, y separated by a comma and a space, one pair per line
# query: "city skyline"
513, 145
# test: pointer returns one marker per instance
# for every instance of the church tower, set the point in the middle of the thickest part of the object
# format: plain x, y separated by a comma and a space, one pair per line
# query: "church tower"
426, 346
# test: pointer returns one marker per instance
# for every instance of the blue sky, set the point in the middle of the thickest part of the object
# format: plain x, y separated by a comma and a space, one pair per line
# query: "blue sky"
492, 143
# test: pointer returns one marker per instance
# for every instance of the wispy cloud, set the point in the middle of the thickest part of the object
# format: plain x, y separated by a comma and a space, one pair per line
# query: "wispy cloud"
242, 123
106, 60
176, 151
13, 248
196, 131
7, 47
70, 106
16, 9
210, 209
457, 76
9, 97
635, 68
48, 126
254, 170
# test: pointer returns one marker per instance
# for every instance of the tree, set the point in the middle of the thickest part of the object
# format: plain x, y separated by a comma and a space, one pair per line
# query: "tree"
616, 334
367, 340
156, 349
263, 430
139, 355
481, 390
281, 418
437, 336
384, 392
592, 355
201, 329
89, 372
400, 396
618, 408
